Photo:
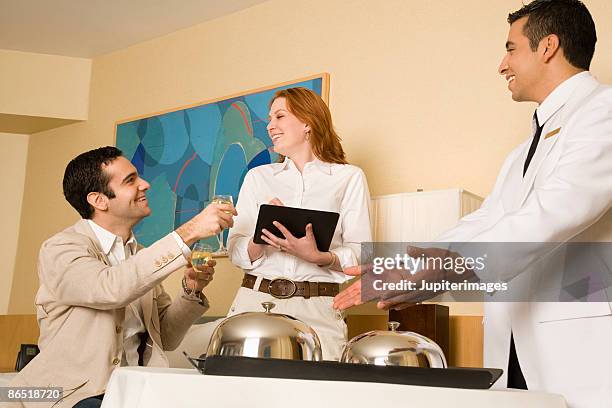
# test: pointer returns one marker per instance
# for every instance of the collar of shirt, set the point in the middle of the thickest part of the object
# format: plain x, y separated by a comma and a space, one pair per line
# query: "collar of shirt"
107, 239
287, 164
559, 96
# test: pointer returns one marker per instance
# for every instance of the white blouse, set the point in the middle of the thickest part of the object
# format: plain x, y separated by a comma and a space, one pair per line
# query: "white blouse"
340, 188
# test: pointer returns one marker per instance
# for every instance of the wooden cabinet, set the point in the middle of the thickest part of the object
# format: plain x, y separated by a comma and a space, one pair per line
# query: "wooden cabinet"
429, 320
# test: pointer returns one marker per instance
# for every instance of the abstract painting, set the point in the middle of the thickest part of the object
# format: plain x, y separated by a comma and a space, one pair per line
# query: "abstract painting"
191, 153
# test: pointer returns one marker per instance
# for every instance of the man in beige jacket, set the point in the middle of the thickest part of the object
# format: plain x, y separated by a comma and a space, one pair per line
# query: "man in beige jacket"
100, 303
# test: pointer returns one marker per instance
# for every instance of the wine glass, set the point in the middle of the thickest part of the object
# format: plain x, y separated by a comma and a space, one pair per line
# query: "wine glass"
201, 253
222, 199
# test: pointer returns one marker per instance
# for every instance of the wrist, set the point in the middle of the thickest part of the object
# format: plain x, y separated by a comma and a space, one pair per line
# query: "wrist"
187, 233
193, 295
255, 251
190, 291
324, 259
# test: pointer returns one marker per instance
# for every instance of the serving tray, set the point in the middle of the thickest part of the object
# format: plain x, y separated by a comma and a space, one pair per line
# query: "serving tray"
472, 378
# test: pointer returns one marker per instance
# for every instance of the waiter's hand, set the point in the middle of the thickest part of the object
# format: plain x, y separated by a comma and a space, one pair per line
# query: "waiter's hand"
351, 296
357, 293
364, 289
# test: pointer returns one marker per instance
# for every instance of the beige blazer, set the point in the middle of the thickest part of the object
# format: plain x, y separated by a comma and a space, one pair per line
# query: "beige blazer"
81, 307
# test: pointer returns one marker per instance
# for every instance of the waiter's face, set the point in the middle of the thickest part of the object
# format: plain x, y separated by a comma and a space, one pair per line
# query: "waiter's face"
521, 66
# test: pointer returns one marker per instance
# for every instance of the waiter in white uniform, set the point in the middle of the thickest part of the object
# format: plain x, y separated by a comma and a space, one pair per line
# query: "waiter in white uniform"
555, 187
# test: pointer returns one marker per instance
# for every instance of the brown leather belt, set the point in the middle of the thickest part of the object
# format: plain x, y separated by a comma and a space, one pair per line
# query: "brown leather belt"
282, 288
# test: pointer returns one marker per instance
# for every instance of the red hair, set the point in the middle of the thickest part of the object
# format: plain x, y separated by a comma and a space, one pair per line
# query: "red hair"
310, 109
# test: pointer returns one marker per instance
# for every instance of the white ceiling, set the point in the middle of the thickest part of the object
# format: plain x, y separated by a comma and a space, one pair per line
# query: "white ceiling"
87, 28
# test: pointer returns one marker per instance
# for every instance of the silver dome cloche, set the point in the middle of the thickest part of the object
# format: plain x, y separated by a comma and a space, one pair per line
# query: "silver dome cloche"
265, 335
393, 348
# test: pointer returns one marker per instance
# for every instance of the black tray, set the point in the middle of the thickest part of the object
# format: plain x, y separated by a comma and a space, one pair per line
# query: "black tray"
473, 378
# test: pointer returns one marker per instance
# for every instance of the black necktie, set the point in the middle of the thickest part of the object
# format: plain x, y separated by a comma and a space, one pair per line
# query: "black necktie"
534, 144
516, 378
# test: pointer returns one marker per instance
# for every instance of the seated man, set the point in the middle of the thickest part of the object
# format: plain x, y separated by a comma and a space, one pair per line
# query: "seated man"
100, 303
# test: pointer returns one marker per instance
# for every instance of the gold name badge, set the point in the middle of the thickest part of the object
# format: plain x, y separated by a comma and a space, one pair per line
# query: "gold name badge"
552, 133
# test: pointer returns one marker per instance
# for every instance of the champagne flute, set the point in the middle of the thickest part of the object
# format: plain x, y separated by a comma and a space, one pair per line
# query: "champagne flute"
200, 255
222, 199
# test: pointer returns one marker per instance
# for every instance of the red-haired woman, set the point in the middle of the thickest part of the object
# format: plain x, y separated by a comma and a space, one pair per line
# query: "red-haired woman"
312, 173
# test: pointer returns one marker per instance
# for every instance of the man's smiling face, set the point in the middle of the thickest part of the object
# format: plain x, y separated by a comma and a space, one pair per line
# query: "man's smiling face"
130, 201
521, 66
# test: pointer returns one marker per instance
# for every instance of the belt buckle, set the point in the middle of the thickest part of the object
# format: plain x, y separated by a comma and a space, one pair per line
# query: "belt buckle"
282, 296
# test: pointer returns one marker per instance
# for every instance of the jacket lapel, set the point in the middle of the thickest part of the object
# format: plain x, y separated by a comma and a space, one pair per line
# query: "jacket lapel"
551, 133
544, 147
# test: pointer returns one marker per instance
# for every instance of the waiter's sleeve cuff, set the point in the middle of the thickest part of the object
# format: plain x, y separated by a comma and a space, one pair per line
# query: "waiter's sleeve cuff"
184, 248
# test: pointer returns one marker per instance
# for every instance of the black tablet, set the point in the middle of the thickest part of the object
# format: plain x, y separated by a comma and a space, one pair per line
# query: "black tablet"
295, 220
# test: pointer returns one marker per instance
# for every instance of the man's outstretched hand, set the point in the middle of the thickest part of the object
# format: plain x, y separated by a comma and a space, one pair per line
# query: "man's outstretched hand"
364, 289
351, 296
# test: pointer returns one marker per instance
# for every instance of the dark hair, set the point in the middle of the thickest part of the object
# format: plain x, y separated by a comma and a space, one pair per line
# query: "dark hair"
310, 109
567, 19
84, 174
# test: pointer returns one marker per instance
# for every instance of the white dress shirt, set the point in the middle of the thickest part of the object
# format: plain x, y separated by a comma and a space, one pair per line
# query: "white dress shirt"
116, 252
340, 188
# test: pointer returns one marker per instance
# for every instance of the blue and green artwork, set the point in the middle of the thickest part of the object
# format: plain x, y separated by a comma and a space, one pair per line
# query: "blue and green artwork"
191, 154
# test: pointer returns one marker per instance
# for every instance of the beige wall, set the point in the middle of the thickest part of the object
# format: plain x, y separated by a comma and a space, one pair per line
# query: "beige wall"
14, 150
44, 85
414, 94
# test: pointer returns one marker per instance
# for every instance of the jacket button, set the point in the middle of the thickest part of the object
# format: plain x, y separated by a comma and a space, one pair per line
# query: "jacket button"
116, 361
164, 259
118, 329
157, 264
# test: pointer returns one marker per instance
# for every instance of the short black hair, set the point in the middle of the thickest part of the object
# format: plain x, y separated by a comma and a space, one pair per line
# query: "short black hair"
84, 174
569, 20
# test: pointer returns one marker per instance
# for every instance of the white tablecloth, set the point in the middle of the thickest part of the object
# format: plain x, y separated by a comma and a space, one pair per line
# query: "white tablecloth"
134, 387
